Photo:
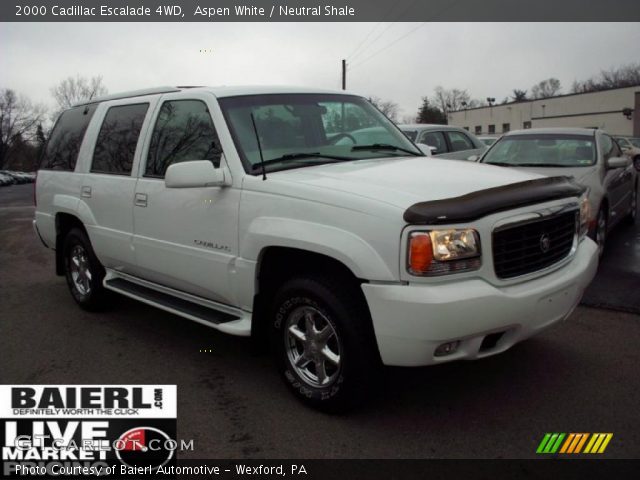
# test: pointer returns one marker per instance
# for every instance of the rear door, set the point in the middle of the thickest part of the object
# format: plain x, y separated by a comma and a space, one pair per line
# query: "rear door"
185, 238
108, 185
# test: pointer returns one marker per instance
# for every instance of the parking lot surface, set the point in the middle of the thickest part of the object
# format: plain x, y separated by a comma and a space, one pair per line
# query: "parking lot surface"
580, 376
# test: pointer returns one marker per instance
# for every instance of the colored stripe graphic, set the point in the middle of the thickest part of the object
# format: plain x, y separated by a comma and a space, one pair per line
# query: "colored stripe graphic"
550, 443
598, 442
574, 442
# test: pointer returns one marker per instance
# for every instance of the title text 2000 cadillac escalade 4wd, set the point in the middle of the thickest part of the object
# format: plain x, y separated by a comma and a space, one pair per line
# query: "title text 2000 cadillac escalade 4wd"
255, 211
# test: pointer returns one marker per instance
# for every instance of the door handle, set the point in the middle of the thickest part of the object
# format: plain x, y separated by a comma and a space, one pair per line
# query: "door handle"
141, 200
85, 192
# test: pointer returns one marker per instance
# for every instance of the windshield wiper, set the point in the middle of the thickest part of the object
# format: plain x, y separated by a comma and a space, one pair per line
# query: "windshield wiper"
500, 164
297, 156
384, 146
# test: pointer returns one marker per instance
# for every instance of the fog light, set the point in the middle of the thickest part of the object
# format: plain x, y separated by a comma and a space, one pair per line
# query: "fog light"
447, 348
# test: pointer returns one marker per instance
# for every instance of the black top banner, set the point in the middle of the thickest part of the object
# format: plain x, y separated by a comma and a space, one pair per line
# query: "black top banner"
320, 11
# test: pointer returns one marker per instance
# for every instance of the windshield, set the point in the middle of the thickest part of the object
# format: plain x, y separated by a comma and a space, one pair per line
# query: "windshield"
544, 150
298, 130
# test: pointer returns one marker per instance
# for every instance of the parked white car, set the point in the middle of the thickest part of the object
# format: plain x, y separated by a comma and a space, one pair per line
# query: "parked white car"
244, 210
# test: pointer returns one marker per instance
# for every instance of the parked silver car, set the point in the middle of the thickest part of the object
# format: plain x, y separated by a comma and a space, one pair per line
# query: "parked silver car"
445, 141
590, 156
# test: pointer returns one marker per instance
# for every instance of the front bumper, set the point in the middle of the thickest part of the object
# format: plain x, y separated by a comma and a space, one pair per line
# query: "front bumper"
411, 321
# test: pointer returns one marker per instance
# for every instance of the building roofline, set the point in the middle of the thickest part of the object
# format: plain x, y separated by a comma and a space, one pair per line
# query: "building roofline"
530, 100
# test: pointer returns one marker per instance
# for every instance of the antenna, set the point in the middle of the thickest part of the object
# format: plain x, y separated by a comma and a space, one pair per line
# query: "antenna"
255, 129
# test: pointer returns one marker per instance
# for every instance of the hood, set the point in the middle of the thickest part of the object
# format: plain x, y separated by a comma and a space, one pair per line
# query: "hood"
403, 181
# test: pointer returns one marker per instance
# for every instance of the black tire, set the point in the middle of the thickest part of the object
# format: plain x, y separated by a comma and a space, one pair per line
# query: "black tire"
329, 303
633, 210
600, 234
84, 278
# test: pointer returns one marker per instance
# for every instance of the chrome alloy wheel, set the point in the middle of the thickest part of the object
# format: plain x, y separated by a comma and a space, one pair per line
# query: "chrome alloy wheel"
79, 267
312, 346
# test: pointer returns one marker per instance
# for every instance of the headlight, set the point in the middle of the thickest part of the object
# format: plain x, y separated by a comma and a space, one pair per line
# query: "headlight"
585, 214
439, 252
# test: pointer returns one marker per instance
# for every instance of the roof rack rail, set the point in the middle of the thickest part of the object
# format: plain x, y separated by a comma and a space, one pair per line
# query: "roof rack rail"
132, 93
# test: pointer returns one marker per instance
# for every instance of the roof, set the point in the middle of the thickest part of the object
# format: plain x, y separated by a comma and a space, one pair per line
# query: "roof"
551, 130
427, 126
222, 91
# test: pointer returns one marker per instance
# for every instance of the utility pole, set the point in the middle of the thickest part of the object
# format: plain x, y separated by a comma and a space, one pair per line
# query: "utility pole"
344, 74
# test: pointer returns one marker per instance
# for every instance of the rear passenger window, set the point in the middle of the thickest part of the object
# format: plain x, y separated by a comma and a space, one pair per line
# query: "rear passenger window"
63, 146
184, 131
117, 140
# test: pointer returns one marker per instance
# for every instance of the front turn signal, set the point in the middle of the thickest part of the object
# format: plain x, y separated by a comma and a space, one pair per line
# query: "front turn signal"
420, 252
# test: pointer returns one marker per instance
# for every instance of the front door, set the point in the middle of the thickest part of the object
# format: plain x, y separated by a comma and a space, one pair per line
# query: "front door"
185, 238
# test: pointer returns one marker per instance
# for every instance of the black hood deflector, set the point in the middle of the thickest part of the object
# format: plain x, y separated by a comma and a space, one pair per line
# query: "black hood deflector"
478, 204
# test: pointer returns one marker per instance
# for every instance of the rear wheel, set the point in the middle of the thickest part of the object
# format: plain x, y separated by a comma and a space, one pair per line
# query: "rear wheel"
324, 346
83, 271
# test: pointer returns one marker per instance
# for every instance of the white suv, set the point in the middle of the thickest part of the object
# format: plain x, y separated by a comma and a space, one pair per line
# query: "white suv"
255, 211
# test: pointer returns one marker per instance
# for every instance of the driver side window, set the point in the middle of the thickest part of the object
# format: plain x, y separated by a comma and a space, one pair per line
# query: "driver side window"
183, 131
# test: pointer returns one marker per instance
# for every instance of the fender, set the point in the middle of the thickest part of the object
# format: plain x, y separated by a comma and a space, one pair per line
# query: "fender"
354, 252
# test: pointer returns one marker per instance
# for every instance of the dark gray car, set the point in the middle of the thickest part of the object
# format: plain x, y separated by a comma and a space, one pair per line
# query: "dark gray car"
590, 156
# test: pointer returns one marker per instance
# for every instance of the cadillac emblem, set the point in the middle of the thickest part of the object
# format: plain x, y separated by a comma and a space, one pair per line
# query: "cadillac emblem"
545, 242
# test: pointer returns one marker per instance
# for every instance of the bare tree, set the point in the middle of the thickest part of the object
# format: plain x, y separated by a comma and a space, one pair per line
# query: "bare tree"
546, 88
19, 119
615, 77
519, 95
74, 90
453, 100
388, 107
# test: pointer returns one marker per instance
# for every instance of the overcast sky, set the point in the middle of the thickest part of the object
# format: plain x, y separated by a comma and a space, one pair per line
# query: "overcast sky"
487, 59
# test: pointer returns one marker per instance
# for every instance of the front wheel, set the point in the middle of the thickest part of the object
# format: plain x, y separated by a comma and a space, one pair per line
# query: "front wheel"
323, 343
601, 230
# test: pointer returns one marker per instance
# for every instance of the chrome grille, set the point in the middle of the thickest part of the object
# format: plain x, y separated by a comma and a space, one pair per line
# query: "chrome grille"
534, 245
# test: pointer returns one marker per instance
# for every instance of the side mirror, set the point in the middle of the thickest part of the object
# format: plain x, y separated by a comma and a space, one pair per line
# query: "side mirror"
618, 162
473, 158
427, 149
193, 174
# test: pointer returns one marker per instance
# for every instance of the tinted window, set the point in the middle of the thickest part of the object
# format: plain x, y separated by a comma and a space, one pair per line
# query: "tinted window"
459, 141
184, 131
435, 139
63, 146
117, 140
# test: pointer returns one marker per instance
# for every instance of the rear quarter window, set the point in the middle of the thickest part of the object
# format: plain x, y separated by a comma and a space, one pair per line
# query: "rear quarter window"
64, 143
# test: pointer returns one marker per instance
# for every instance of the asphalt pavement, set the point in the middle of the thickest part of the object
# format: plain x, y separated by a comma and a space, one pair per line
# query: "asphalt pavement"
580, 376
